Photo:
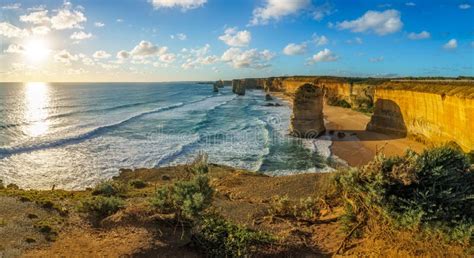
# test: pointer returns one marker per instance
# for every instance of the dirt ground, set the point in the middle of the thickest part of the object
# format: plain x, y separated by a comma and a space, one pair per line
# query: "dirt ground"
242, 197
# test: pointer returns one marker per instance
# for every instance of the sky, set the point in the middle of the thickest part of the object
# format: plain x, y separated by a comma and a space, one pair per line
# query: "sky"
187, 40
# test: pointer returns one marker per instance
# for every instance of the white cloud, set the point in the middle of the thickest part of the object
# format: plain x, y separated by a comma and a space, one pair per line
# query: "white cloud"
276, 9
36, 8
410, 4
322, 11
452, 44
235, 38
381, 23
376, 59
13, 6
122, 54
108, 66
99, 24
356, 40
247, 59
168, 58
421, 35
86, 60
146, 48
40, 30
325, 55
119, 20
183, 4
295, 49
180, 36
15, 49
197, 57
65, 57
320, 40
11, 31
67, 19
81, 35
101, 54
464, 6
38, 17
72, 71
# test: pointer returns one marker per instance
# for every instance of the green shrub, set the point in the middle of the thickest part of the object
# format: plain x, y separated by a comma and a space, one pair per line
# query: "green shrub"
110, 188
335, 101
306, 208
188, 199
101, 206
200, 165
220, 238
431, 191
137, 183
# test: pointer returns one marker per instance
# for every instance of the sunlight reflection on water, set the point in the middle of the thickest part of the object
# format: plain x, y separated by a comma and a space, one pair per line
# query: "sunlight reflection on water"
36, 97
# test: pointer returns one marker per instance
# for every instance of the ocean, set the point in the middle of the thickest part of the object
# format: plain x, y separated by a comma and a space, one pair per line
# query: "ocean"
74, 135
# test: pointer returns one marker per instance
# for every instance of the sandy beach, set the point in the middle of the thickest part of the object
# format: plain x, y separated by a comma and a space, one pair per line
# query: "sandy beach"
358, 146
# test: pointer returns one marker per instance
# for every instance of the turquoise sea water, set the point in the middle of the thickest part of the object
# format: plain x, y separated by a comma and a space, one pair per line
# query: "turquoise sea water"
75, 135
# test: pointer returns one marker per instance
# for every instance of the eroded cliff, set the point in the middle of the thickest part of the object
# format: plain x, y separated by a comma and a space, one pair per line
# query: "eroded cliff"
338, 91
429, 111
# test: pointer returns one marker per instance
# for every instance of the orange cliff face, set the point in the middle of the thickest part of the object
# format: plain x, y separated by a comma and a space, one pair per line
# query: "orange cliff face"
431, 111
337, 90
436, 112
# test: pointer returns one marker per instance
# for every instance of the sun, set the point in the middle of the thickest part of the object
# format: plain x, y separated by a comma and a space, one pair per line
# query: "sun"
36, 50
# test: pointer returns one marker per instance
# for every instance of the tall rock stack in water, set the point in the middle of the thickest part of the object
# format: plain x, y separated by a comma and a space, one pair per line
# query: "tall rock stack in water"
238, 87
307, 119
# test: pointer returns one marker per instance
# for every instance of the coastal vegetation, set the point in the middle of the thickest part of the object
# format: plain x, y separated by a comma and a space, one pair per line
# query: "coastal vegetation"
427, 195
419, 201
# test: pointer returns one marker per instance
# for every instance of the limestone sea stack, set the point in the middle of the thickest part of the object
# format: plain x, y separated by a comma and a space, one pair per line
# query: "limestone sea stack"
268, 97
307, 119
219, 84
238, 87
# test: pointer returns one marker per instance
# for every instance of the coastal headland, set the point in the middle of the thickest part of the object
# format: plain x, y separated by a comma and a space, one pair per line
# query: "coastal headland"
388, 202
430, 111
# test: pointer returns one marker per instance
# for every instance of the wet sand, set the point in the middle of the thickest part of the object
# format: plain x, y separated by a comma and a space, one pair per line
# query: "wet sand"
358, 146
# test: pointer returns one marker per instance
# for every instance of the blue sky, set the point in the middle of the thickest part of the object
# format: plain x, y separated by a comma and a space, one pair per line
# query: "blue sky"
169, 40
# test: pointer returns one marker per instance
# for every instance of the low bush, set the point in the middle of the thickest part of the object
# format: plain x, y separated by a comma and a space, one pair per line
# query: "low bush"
101, 206
334, 101
137, 184
110, 188
200, 165
431, 192
220, 238
306, 208
187, 199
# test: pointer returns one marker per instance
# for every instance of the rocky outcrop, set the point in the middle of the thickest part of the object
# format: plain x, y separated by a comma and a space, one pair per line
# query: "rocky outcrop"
219, 84
347, 92
307, 119
268, 97
241, 85
433, 112
238, 88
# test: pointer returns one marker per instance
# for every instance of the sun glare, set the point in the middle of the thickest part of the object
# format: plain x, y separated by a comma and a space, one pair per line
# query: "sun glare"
36, 100
37, 50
